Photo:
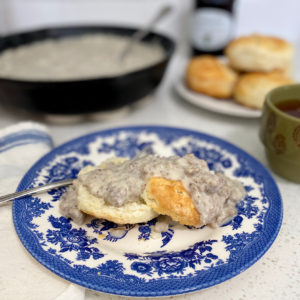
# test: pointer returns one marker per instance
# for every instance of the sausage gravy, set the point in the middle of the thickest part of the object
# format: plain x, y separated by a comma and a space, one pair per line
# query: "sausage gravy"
87, 56
215, 196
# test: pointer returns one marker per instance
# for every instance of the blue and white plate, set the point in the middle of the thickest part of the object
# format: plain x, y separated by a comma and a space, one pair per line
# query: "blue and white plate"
134, 260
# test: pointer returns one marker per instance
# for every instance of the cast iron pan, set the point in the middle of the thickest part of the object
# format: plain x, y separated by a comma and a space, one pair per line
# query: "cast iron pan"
81, 96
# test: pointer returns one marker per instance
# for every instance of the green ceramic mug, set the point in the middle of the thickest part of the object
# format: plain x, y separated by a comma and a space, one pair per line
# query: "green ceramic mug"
280, 132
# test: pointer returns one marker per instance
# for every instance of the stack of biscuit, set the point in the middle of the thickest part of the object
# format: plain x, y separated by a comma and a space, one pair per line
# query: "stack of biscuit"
255, 65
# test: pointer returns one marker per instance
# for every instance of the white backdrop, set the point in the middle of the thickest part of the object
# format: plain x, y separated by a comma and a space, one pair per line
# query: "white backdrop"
276, 17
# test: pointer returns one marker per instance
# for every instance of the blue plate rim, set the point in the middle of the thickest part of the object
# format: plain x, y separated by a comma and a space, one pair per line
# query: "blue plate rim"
268, 237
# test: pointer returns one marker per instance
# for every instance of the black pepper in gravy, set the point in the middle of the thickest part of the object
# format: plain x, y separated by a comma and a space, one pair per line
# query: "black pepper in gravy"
214, 195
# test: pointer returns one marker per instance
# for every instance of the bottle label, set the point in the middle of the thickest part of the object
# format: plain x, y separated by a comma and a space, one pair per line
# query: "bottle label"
211, 29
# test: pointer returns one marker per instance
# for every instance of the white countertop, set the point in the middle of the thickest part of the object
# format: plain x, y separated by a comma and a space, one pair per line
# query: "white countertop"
275, 276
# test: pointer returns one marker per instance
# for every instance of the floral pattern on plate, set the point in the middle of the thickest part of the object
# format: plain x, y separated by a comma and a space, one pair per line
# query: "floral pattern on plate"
135, 260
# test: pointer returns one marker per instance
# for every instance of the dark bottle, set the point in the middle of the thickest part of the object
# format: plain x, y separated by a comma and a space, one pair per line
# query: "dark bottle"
212, 26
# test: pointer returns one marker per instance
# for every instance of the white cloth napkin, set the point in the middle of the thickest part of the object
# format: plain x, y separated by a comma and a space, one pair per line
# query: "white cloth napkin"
21, 277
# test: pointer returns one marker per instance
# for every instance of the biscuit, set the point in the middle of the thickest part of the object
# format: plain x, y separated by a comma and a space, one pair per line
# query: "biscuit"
252, 88
257, 53
168, 197
206, 74
129, 213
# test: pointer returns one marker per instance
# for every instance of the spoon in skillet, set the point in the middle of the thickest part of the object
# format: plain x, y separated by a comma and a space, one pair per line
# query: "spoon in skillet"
141, 33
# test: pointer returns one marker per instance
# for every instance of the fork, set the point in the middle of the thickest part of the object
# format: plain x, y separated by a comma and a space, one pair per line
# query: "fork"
35, 190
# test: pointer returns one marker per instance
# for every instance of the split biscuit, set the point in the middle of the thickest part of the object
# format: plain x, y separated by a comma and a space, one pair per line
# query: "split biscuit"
258, 53
208, 75
129, 213
252, 88
169, 197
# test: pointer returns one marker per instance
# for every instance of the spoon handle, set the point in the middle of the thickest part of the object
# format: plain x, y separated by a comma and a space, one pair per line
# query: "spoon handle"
38, 189
141, 33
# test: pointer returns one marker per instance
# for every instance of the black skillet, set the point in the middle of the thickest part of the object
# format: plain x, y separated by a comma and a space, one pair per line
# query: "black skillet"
86, 95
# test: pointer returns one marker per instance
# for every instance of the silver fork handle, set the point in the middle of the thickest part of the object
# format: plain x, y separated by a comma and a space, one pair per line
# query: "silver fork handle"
38, 189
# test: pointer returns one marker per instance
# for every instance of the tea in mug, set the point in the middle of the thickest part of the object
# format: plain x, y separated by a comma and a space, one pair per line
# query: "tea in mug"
291, 107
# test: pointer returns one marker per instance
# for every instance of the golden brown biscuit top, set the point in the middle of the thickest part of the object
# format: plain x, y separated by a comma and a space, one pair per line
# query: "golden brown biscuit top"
270, 43
207, 67
169, 197
254, 78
